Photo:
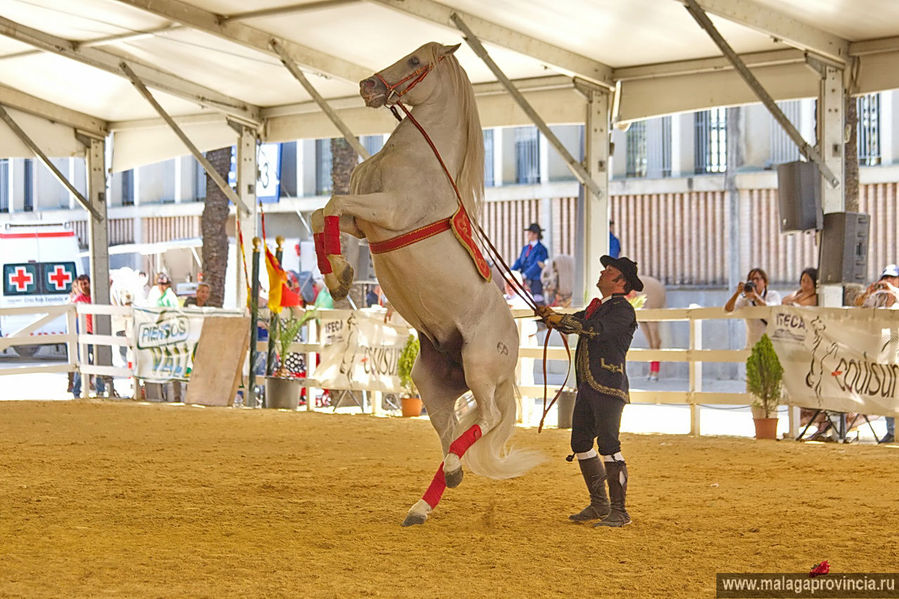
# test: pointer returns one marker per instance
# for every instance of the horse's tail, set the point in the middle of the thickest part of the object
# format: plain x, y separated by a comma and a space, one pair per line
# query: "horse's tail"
490, 456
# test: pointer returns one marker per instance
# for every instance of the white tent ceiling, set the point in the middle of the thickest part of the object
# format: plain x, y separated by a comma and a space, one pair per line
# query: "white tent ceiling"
203, 59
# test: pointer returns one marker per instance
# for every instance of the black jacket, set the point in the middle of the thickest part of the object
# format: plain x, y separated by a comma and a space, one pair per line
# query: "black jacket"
603, 341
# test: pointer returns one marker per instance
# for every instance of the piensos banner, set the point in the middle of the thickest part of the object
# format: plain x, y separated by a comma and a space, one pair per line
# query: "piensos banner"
843, 359
361, 351
166, 340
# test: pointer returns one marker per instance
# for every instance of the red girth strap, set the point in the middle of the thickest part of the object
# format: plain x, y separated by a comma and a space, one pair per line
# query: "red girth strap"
400, 241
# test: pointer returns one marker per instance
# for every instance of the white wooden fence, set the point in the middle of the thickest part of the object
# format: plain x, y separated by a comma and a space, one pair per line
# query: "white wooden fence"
695, 355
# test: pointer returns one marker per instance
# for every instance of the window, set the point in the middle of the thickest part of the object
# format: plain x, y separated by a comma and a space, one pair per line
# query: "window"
4, 185
783, 148
666, 146
527, 155
636, 149
488, 158
372, 143
128, 188
29, 185
710, 154
868, 129
323, 183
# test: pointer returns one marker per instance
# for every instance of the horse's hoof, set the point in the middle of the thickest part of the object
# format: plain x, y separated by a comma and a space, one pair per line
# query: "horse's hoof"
418, 513
412, 519
453, 479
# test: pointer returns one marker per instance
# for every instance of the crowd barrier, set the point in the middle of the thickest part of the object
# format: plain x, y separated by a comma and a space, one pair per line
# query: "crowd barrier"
695, 355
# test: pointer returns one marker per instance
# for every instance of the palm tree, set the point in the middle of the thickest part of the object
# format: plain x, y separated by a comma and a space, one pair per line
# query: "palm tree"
343, 161
212, 227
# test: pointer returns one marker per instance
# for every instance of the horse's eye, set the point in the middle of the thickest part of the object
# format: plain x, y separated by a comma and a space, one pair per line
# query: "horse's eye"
414, 61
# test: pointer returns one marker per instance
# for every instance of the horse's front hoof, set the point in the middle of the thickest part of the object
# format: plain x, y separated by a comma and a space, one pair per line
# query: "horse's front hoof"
453, 479
413, 519
418, 513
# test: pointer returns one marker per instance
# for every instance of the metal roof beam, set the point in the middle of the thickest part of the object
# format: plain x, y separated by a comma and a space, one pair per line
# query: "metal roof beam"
280, 10
564, 60
109, 62
204, 162
804, 147
32, 145
779, 26
14, 98
708, 65
250, 37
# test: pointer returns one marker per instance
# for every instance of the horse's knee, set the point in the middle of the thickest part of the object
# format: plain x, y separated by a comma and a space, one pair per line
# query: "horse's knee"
317, 220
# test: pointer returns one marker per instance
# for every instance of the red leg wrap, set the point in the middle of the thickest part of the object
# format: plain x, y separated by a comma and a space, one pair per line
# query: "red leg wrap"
465, 440
332, 235
321, 257
435, 489
654, 366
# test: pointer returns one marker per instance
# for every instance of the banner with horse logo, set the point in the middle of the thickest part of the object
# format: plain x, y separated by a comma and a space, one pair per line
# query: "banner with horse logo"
842, 359
361, 351
166, 340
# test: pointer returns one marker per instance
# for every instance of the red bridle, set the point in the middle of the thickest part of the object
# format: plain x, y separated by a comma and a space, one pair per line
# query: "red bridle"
414, 78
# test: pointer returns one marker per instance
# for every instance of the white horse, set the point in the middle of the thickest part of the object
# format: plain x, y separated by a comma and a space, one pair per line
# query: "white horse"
403, 202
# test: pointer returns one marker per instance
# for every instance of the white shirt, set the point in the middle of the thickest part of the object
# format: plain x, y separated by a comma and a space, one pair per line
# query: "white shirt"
755, 327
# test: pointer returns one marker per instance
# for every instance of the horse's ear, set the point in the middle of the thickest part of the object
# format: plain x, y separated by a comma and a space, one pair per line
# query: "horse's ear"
447, 50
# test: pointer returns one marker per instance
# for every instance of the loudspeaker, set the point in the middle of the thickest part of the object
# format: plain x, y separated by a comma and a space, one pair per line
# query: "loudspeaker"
799, 196
844, 248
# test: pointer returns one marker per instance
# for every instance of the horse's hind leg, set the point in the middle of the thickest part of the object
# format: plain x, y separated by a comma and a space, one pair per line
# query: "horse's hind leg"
440, 382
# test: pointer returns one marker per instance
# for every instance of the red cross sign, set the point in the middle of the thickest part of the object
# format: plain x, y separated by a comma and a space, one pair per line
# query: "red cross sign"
22, 279
60, 277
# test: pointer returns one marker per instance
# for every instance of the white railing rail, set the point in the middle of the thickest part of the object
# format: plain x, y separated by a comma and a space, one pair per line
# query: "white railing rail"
694, 355
86, 339
24, 336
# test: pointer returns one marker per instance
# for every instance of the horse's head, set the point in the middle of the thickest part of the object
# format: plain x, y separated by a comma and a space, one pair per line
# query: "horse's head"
392, 84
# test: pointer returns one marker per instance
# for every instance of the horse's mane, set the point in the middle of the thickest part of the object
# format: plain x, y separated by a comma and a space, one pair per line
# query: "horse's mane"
470, 178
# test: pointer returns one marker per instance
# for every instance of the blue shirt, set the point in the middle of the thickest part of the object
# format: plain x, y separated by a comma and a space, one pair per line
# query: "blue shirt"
614, 246
528, 259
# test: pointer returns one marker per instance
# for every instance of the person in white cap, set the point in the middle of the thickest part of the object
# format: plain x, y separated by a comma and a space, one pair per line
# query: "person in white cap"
884, 292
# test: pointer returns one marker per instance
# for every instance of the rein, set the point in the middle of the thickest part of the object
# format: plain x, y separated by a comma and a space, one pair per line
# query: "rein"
505, 271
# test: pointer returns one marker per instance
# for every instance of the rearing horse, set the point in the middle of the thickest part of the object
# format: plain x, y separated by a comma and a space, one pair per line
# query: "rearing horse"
403, 202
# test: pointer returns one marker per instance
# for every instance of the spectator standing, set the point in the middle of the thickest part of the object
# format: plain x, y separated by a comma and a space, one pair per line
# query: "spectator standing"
83, 296
531, 260
201, 299
883, 293
161, 294
807, 294
753, 292
614, 243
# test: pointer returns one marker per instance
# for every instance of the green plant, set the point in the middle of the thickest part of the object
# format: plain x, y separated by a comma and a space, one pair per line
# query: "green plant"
406, 362
764, 375
288, 328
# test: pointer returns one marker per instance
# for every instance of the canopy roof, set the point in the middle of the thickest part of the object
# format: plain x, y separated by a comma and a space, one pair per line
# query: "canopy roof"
208, 60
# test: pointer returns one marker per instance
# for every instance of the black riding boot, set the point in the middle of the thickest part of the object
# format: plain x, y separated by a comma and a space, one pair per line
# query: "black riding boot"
617, 475
595, 477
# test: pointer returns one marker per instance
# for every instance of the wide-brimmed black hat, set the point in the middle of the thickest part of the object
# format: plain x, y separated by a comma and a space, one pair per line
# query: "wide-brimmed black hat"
627, 267
534, 228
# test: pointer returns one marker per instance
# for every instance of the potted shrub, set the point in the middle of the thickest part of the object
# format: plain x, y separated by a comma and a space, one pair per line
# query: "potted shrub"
764, 375
411, 402
282, 389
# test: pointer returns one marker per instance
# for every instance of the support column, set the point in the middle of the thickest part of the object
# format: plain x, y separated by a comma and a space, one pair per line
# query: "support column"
831, 124
246, 191
98, 230
596, 205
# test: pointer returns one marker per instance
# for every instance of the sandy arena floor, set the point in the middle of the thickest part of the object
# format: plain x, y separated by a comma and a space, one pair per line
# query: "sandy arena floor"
104, 499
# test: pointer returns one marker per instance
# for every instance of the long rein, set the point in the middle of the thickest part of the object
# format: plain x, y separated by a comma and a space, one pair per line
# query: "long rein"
503, 267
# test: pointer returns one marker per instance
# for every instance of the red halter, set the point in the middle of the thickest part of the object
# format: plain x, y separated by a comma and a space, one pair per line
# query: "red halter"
414, 78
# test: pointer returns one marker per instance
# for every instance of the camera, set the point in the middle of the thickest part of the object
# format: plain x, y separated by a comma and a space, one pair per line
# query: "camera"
748, 286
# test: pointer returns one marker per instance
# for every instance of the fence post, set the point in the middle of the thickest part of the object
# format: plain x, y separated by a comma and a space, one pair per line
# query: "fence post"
310, 363
695, 374
254, 334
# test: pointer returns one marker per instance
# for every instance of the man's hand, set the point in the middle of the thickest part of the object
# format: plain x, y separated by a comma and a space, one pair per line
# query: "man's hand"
548, 316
